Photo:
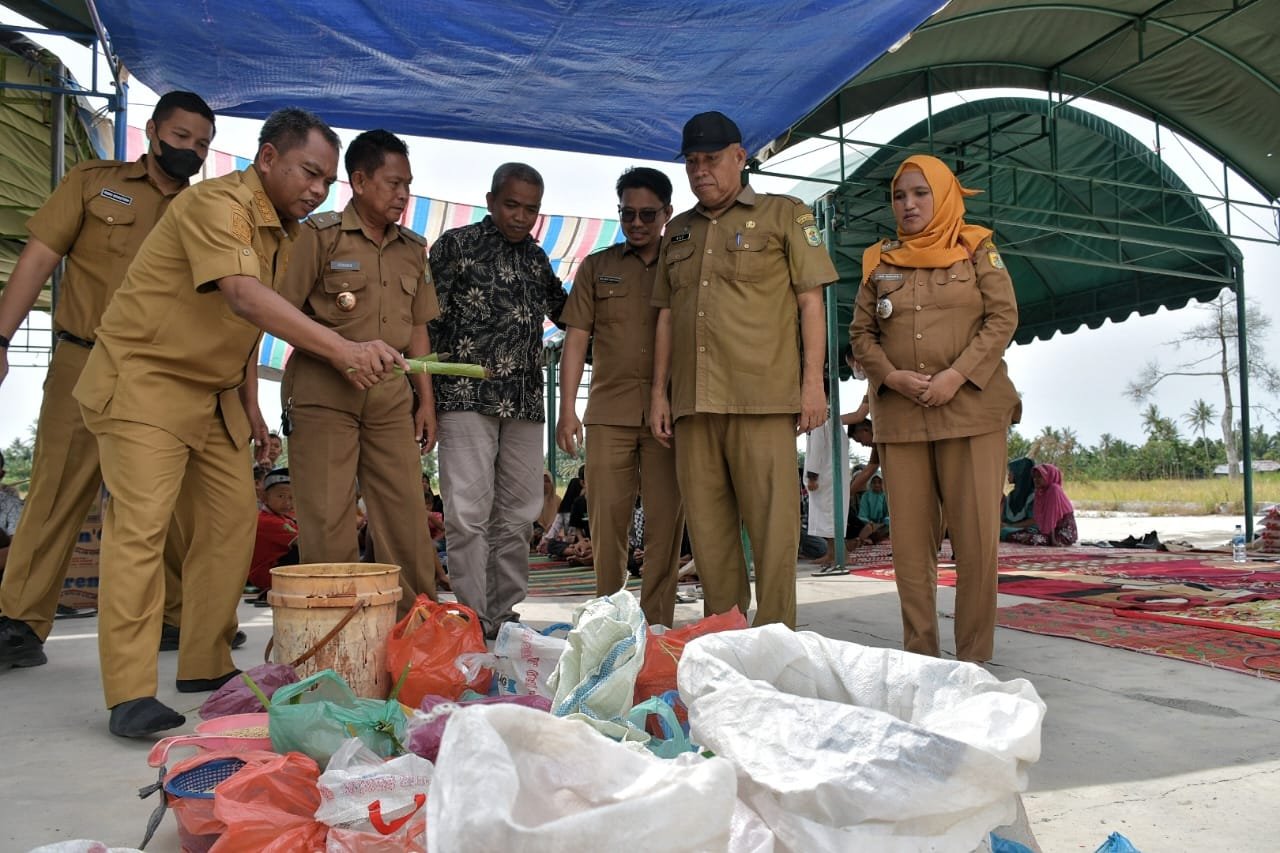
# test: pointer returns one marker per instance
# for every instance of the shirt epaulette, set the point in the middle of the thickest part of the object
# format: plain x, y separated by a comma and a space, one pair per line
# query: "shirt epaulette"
101, 164
791, 198
410, 234
328, 219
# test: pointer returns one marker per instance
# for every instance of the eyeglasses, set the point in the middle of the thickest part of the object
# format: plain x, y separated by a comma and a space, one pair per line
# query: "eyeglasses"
647, 214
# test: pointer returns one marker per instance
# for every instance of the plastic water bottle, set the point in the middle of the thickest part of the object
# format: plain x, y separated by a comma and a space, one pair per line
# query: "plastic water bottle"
1237, 546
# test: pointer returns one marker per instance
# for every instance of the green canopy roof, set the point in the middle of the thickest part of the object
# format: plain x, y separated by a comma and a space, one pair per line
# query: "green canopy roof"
1091, 224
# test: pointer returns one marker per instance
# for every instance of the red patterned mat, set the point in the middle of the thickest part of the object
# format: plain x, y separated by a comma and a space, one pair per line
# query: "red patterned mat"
1232, 650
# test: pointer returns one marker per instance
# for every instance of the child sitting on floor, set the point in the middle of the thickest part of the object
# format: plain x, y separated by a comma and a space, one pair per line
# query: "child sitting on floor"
277, 540
1053, 516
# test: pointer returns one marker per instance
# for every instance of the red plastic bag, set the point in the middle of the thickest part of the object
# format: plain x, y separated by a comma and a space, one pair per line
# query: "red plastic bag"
271, 807
662, 654
409, 837
429, 640
198, 826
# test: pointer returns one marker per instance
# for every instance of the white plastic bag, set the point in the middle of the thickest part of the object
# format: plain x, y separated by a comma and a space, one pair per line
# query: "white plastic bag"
844, 747
525, 660
359, 790
512, 778
595, 679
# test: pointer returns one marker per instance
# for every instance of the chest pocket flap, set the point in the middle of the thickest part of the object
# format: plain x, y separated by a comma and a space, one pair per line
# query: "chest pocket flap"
339, 280
115, 219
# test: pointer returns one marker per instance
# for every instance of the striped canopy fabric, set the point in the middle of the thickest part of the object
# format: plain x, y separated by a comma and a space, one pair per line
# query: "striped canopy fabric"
565, 239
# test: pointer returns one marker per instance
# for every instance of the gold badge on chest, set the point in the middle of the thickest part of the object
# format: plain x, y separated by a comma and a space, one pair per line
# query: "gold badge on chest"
346, 301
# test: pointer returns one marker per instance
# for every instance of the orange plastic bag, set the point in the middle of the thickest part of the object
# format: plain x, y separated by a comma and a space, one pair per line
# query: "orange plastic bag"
429, 641
662, 654
271, 808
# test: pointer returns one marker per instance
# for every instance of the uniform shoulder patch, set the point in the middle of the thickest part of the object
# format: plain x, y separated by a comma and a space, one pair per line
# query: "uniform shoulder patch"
409, 234
241, 228
328, 219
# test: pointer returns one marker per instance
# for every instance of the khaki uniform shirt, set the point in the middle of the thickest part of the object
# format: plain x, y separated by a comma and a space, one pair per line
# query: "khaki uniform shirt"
731, 284
610, 300
962, 317
97, 218
386, 290
170, 351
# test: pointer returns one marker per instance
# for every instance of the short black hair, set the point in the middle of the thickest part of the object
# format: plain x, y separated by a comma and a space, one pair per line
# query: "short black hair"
515, 172
368, 151
865, 423
288, 128
646, 178
179, 100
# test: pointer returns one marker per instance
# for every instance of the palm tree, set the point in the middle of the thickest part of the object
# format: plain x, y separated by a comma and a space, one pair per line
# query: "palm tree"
1198, 418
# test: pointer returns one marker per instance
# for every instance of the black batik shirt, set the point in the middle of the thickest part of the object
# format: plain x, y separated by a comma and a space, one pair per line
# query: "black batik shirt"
493, 296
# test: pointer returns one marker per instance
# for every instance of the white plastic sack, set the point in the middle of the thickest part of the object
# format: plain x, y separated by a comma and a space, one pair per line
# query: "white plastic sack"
844, 747
357, 778
81, 845
525, 660
595, 679
511, 778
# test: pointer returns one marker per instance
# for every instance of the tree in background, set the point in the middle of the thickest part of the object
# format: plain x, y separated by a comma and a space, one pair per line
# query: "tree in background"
1198, 418
17, 459
1215, 356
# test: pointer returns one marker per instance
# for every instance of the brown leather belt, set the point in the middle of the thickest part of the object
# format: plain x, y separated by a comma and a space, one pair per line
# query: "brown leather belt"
72, 339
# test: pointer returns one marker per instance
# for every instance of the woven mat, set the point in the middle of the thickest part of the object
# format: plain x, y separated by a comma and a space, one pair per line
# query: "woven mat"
1232, 650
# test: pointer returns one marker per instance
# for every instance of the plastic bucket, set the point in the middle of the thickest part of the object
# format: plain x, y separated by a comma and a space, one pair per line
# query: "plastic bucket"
309, 602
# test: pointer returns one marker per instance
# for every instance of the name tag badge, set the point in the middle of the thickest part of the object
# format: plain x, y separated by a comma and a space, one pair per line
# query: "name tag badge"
119, 198
609, 279
887, 276
344, 265
680, 238
884, 308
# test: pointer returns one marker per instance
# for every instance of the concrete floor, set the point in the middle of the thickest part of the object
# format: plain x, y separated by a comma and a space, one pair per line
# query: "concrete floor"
1175, 756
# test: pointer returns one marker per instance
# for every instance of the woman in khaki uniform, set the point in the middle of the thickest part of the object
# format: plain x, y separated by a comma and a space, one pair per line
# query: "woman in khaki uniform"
934, 314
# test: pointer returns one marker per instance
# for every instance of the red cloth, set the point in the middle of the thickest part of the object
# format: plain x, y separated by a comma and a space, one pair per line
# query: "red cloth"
275, 536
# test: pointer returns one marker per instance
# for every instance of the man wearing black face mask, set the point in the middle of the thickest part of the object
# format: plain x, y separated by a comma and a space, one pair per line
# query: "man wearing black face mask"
96, 219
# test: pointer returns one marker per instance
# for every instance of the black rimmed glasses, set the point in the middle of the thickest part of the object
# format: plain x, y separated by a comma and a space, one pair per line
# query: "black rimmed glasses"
647, 214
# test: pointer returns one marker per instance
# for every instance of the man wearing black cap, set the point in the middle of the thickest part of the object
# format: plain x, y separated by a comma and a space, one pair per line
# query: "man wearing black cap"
739, 278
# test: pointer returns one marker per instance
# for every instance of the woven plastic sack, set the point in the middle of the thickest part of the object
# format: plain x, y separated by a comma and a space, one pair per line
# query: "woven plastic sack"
235, 697
320, 713
429, 640
426, 726
595, 679
511, 778
361, 791
270, 808
844, 747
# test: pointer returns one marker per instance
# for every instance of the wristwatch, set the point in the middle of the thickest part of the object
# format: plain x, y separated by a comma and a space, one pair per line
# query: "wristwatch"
4, 342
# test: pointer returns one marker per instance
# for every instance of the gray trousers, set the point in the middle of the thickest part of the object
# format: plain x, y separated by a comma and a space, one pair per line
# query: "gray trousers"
491, 483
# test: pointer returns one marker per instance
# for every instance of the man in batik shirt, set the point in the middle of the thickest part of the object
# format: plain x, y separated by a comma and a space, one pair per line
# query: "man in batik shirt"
495, 285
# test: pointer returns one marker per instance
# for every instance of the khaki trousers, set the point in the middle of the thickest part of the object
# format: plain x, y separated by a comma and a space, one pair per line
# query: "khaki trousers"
65, 479
329, 451
735, 470
622, 460
147, 471
491, 483
958, 480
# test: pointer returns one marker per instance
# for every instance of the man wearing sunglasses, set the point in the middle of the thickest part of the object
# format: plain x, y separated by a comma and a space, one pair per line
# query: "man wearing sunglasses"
610, 306
739, 281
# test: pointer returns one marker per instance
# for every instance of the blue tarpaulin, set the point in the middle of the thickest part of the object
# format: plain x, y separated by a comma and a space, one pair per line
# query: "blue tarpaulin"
593, 76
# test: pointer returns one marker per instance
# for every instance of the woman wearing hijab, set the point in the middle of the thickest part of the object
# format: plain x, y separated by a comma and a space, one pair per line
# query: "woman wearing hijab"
873, 513
550, 505
1055, 517
1015, 507
934, 314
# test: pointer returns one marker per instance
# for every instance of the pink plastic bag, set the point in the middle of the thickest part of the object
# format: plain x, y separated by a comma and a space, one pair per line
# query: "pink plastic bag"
426, 728
271, 807
411, 837
235, 697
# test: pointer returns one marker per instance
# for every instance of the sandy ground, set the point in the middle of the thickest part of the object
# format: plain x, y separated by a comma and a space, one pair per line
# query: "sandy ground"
1176, 756
1202, 531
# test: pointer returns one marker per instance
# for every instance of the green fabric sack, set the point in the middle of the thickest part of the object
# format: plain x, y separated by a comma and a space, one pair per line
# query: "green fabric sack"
315, 716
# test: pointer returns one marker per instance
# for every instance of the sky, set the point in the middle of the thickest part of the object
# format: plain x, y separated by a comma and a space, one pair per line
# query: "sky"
1076, 380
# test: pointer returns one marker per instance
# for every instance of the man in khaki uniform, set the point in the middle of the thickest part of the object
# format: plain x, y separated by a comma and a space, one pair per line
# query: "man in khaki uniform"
96, 219
169, 392
365, 277
610, 306
739, 276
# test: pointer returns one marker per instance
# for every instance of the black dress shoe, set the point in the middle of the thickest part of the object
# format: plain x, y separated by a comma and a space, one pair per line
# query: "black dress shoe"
19, 645
142, 717
204, 685
169, 636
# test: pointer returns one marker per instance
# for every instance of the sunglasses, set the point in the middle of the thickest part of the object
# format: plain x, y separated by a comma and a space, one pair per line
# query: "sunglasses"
647, 214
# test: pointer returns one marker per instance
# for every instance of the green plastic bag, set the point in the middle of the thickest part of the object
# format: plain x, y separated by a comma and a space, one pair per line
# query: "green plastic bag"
317, 714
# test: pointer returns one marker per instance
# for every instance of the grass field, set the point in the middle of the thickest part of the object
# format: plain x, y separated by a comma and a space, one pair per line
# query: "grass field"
1173, 497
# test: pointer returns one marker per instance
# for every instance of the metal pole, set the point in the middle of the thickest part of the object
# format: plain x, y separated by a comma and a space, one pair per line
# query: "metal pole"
552, 410
839, 458
57, 168
122, 119
1243, 345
